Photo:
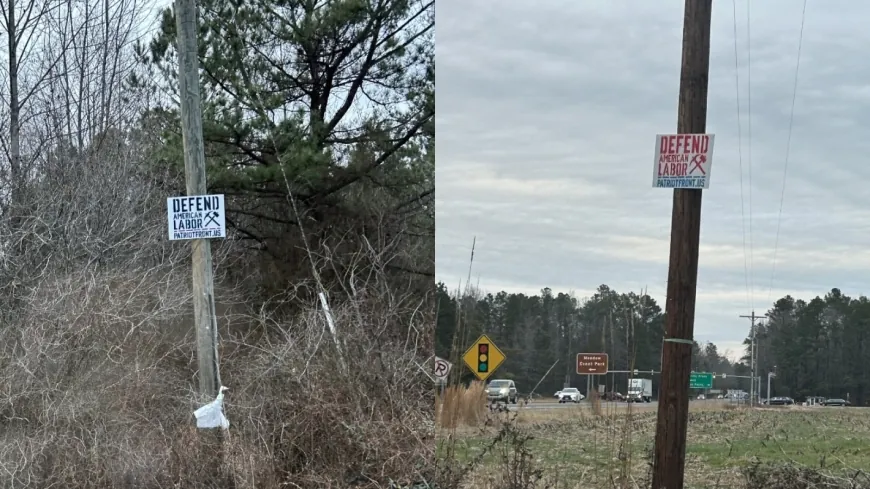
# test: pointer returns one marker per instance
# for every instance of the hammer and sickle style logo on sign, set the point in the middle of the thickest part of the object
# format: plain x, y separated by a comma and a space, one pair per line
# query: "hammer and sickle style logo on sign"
697, 161
211, 218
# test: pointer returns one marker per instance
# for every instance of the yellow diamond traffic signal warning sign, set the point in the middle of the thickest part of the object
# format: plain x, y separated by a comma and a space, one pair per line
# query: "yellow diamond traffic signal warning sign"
483, 358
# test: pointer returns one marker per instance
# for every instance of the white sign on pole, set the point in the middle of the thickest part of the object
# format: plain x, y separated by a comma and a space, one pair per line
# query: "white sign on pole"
683, 161
196, 217
442, 368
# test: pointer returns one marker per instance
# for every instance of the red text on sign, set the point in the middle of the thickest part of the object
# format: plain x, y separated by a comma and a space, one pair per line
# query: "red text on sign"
684, 144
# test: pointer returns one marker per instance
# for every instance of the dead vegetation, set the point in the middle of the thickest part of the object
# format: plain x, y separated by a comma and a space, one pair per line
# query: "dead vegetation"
461, 406
98, 370
98, 366
96, 391
580, 447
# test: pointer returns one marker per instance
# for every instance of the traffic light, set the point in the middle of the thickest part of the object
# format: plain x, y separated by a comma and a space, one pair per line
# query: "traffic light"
483, 357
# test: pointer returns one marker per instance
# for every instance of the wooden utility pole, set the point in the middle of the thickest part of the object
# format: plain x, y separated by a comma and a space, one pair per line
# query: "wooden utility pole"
754, 389
194, 172
205, 319
669, 459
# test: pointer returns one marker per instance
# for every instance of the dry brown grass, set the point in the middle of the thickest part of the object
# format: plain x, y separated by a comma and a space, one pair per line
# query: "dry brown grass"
461, 405
97, 382
573, 448
605, 409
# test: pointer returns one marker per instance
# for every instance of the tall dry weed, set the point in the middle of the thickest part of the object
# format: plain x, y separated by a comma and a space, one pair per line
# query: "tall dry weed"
461, 405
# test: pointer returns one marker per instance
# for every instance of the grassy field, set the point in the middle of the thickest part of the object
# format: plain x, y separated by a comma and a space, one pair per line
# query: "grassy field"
789, 448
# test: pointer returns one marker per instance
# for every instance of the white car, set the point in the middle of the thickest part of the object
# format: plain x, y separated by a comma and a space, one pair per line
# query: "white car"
570, 394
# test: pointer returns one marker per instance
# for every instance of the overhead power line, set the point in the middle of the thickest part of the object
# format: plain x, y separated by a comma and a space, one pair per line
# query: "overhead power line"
740, 156
787, 147
749, 155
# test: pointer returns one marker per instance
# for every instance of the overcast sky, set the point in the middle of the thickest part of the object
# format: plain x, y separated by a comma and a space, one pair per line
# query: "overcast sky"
546, 122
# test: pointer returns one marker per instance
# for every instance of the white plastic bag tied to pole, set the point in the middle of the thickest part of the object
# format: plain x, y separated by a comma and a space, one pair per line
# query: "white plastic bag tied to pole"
212, 414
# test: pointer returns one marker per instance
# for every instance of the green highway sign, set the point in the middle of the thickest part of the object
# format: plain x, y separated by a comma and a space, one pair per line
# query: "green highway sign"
700, 380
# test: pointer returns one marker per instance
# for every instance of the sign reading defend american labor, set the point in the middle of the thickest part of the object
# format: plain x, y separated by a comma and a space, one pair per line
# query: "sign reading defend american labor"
683, 161
196, 217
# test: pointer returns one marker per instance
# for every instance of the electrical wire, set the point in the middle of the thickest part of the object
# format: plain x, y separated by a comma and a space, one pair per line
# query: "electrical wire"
740, 156
787, 147
749, 155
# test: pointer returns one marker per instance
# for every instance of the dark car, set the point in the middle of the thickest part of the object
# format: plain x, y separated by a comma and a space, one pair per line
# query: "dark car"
836, 402
613, 396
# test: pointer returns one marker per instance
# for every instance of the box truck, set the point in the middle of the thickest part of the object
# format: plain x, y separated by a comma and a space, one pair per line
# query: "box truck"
639, 390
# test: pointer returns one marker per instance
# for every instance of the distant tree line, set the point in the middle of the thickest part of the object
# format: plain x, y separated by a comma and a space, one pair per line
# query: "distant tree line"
816, 347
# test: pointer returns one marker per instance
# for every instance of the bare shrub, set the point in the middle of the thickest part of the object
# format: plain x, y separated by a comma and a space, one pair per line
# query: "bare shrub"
514, 464
99, 394
329, 418
93, 365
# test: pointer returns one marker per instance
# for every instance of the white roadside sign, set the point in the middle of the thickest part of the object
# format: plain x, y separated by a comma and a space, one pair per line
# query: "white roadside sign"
683, 161
196, 217
442, 369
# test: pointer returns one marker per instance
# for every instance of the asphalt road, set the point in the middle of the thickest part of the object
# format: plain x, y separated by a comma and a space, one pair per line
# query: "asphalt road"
554, 405
545, 405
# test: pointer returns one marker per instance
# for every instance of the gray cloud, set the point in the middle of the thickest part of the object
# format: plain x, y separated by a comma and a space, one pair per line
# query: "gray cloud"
546, 123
